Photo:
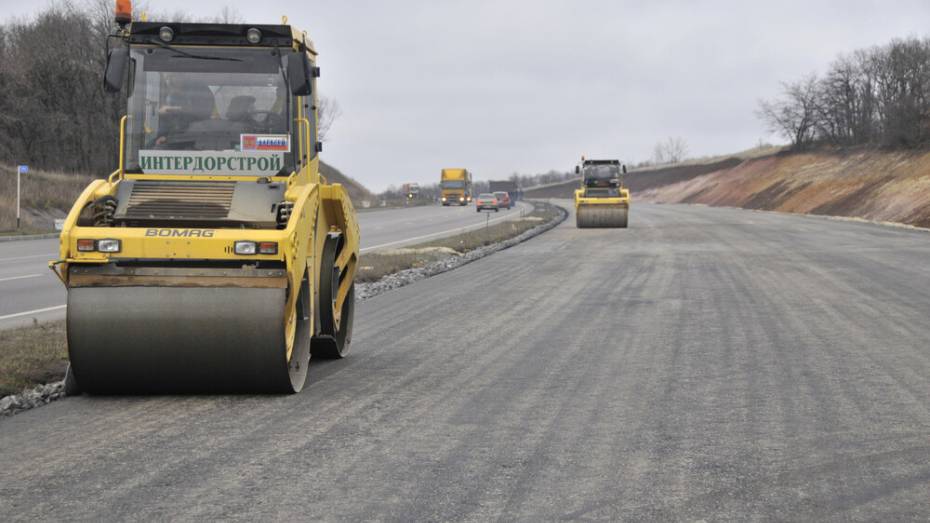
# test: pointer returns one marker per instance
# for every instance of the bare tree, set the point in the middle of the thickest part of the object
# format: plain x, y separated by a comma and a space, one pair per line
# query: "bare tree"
794, 115
229, 15
328, 111
672, 150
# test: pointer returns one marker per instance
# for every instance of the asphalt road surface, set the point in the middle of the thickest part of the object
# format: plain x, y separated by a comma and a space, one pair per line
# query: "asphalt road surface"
706, 363
28, 289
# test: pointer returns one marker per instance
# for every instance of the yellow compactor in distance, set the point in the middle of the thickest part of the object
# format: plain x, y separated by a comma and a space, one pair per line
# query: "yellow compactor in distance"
216, 258
602, 200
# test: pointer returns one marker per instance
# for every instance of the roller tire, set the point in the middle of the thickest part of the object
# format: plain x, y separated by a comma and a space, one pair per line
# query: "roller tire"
187, 340
332, 341
597, 218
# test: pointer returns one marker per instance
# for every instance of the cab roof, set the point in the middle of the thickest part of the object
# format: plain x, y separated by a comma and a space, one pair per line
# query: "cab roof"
219, 34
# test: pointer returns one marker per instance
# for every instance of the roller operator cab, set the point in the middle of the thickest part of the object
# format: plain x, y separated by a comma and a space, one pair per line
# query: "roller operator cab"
602, 200
216, 257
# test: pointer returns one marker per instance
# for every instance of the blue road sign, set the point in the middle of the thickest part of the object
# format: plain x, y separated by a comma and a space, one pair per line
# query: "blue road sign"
23, 169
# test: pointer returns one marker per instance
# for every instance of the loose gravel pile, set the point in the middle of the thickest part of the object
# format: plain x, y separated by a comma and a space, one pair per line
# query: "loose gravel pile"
43, 394
32, 398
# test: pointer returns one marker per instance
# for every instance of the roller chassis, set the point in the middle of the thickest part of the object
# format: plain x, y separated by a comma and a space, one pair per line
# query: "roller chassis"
602, 200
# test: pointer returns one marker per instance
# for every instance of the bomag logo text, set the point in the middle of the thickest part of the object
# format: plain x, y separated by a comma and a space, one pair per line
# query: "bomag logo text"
180, 233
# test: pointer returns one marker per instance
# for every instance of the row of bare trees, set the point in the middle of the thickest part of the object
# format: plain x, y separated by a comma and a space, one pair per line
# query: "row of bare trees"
671, 151
54, 112
878, 96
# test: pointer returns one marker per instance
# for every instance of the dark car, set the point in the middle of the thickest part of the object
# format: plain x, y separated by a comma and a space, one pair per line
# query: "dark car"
486, 201
503, 200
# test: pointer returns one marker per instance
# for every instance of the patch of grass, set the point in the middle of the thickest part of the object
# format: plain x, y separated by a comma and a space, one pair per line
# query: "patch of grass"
42, 193
373, 266
31, 356
471, 240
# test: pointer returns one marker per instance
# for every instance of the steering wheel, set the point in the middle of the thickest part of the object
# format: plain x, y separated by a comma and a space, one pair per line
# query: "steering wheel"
266, 116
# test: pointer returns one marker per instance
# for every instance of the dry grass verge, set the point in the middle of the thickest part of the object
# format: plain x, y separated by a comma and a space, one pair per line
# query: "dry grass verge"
375, 265
32, 356
45, 196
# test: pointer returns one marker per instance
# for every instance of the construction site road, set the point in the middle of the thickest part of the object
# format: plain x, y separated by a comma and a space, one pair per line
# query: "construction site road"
28, 289
704, 364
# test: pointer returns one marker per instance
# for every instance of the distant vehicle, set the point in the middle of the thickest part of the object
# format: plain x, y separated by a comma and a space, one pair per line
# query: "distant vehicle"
486, 201
507, 186
411, 190
602, 200
455, 187
503, 200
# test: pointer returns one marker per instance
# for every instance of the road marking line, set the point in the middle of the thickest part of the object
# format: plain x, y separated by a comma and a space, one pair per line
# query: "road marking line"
36, 311
46, 256
465, 228
22, 277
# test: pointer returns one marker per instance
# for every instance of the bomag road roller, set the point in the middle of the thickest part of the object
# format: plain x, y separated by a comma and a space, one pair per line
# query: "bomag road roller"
602, 200
216, 258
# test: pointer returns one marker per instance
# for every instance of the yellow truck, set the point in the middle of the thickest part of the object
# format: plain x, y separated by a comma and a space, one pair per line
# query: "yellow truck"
455, 187
216, 258
602, 200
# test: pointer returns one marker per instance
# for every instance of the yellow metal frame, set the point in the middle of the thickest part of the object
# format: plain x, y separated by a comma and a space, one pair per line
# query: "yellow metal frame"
622, 200
580, 199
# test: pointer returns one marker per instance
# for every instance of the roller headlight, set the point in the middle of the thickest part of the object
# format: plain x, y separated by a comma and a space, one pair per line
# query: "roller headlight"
108, 245
245, 248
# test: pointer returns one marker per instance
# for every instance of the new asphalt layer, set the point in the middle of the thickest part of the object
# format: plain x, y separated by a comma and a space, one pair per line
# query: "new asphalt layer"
704, 364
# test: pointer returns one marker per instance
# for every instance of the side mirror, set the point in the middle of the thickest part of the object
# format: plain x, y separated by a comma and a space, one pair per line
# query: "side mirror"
577, 170
298, 74
116, 69
624, 168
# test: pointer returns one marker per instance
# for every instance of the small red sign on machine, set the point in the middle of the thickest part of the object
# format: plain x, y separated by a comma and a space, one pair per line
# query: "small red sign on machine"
279, 143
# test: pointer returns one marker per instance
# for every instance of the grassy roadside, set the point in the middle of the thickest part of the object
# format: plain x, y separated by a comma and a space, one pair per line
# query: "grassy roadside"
32, 356
373, 266
37, 354
45, 196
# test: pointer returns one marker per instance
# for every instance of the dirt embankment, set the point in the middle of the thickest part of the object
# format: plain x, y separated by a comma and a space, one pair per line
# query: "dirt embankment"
875, 185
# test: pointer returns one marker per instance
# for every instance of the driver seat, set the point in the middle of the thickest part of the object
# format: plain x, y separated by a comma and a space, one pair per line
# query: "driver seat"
239, 108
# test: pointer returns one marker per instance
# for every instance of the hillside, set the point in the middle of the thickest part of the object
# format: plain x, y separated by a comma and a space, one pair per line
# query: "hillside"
869, 184
356, 190
45, 196
49, 195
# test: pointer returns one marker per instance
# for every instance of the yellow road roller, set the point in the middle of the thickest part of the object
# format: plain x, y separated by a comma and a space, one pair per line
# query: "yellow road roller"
216, 258
602, 200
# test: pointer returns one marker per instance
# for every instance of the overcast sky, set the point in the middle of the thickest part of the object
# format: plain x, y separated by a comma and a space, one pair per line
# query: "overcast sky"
500, 86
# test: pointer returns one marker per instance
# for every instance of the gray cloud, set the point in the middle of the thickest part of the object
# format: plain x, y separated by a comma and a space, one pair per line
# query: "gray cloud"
521, 85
